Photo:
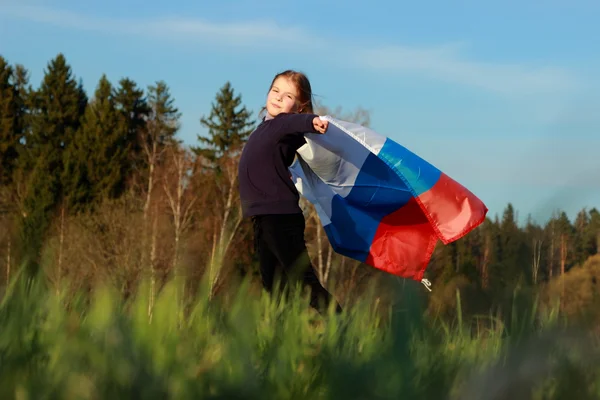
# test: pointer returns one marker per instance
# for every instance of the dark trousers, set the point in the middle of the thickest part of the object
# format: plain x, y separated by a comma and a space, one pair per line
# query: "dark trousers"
279, 241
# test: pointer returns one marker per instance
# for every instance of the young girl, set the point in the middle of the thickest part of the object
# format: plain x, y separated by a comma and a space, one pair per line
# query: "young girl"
267, 192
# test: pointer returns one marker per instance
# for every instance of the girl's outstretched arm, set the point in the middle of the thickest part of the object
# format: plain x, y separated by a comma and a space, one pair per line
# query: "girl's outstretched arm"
294, 124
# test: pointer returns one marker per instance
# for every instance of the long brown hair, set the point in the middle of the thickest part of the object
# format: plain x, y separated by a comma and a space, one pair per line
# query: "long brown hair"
304, 100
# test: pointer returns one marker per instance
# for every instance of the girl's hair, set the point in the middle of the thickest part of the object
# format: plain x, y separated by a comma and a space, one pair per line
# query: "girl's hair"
304, 99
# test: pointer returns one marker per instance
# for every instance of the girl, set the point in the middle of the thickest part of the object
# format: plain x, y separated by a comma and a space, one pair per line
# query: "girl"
267, 193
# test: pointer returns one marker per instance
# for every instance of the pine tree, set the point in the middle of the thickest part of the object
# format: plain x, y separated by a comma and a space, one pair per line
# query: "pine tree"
55, 118
12, 115
594, 231
109, 172
566, 233
581, 242
96, 161
163, 120
8, 152
132, 110
228, 126
513, 256
470, 254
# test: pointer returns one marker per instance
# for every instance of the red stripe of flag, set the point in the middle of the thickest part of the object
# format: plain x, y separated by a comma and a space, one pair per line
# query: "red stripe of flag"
452, 208
403, 243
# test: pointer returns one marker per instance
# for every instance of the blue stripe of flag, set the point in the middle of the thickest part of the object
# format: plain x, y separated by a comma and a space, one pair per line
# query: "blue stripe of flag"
378, 191
419, 174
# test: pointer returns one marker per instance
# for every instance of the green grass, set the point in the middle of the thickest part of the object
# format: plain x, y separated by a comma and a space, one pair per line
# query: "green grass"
100, 347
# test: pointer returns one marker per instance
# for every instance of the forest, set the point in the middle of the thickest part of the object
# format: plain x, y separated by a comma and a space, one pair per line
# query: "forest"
101, 201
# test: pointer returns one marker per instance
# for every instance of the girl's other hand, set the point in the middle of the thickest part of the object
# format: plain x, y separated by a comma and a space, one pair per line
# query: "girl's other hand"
320, 125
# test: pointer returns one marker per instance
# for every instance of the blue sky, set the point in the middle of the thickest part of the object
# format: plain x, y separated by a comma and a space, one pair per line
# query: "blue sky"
502, 96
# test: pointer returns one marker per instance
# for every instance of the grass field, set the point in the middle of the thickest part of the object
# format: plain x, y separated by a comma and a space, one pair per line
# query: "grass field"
101, 347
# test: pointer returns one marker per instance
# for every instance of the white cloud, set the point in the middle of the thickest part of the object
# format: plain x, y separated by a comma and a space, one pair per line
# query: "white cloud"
447, 64
253, 33
442, 63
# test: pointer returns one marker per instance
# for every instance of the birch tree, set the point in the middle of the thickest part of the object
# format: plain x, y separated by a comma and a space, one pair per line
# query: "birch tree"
229, 124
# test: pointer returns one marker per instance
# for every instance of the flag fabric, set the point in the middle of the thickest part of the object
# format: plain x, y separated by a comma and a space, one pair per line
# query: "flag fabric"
378, 202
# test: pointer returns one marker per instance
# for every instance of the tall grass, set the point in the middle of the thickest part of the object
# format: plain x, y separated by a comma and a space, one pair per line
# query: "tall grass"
98, 346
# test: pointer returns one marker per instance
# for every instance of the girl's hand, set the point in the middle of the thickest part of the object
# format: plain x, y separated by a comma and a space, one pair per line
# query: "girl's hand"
320, 125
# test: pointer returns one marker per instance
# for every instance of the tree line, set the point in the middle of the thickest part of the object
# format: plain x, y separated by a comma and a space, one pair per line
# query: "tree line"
101, 188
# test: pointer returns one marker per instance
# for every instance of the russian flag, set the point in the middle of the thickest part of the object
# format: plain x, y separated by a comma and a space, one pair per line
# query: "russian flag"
378, 202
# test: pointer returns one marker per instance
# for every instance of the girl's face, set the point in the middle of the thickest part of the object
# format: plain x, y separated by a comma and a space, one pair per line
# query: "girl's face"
282, 97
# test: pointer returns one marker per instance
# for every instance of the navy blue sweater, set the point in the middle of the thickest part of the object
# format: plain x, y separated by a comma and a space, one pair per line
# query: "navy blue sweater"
264, 178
